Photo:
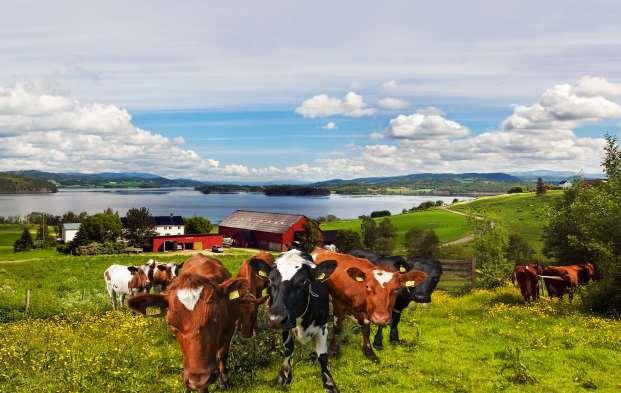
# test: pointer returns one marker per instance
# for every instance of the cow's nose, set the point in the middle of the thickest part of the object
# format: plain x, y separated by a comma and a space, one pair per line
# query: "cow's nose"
196, 381
276, 320
380, 319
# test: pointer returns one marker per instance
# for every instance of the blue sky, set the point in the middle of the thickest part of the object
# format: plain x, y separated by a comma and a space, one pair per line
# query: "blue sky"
308, 90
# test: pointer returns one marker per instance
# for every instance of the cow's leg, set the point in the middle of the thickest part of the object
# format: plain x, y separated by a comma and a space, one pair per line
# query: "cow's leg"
394, 326
285, 375
339, 317
222, 357
112, 298
366, 342
123, 299
321, 349
378, 340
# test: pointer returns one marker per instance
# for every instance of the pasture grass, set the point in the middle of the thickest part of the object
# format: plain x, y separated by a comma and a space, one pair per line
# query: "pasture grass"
486, 341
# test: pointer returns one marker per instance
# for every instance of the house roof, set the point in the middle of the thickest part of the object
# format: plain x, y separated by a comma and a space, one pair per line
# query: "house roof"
161, 220
261, 221
71, 226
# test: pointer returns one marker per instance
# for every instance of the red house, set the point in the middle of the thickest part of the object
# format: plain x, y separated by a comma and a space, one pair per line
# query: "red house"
200, 241
270, 231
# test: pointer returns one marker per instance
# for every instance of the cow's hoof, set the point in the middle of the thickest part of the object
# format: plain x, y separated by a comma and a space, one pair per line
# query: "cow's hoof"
284, 380
371, 355
378, 345
331, 389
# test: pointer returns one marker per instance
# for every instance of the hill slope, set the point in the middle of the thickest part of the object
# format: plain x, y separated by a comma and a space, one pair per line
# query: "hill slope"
16, 184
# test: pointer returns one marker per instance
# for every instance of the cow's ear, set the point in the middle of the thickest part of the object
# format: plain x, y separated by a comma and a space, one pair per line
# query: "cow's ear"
356, 274
179, 266
323, 271
162, 268
234, 289
402, 266
132, 269
141, 302
260, 267
412, 278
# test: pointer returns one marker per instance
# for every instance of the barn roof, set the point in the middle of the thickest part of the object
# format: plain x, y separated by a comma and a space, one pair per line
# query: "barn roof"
261, 221
71, 226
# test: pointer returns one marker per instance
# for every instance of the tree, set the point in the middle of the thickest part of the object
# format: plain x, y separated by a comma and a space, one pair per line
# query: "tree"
380, 213
386, 238
347, 240
24, 243
518, 250
422, 243
311, 237
515, 190
197, 225
44, 238
368, 227
101, 227
490, 246
541, 187
140, 226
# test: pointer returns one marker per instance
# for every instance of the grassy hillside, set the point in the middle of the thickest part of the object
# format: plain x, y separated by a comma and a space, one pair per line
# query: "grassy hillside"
448, 226
72, 341
524, 214
11, 184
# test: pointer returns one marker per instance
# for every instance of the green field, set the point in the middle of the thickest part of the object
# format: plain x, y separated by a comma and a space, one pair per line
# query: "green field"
448, 226
524, 214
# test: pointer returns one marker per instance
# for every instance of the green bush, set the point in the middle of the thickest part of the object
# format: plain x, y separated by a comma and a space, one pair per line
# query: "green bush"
24, 243
380, 213
490, 246
422, 243
347, 240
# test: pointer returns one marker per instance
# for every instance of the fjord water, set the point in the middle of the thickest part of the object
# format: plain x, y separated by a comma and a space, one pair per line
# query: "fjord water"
187, 202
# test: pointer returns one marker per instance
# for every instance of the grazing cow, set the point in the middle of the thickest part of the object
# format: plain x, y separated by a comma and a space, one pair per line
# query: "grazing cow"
124, 280
526, 277
257, 286
420, 293
299, 305
202, 310
365, 291
561, 279
587, 273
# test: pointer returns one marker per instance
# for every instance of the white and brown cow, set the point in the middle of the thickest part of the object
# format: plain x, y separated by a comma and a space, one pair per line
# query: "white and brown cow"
124, 280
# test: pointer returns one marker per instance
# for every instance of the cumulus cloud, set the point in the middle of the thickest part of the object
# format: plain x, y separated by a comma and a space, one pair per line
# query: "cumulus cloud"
388, 85
329, 126
421, 126
393, 103
322, 105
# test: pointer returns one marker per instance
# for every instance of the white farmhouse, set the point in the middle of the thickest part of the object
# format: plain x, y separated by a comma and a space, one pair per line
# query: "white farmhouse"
565, 184
169, 225
70, 229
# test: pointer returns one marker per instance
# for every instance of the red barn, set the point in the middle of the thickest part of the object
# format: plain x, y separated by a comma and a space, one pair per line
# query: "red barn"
199, 241
270, 231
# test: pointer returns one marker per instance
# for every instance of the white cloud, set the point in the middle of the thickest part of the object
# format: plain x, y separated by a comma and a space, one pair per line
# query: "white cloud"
389, 85
329, 126
420, 126
393, 103
375, 136
597, 86
323, 106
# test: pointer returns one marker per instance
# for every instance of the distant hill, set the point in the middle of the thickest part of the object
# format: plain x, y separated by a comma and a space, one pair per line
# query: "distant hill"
554, 176
107, 179
16, 184
432, 183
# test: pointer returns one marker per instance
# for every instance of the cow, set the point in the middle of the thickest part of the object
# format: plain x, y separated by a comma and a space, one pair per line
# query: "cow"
561, 279
124, 280
419, 294
257, 286
526, 277
299, 306
587, 272
202, 308
365, 291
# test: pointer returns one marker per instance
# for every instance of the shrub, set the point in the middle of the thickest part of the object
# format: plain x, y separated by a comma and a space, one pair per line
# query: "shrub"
425, 205
515, 190
380, 213
368, 227
439, 203
197, 225
311, 237
490, 245
518, 249
386, 238
140, 226
422, 243
24, 243
347, 240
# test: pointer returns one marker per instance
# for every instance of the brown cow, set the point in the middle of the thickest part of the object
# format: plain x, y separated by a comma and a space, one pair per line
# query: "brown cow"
257, 286
202, 311
526, 277
587, 272
365, 291
561, 279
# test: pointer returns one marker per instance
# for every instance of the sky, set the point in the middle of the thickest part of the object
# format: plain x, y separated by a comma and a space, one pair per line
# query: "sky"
280, 90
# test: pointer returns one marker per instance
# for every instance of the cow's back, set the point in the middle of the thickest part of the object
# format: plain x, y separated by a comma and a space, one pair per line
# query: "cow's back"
117, 277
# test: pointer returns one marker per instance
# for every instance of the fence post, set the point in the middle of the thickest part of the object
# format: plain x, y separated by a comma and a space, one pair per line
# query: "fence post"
27, 301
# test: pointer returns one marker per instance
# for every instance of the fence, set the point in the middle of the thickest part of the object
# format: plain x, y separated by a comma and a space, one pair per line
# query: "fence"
458, 276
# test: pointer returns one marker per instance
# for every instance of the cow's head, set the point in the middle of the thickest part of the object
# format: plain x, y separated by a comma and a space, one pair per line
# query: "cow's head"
382, 287
139, 281
163, 274
289, 285
256, 276
196, 312
421, 293
175, 268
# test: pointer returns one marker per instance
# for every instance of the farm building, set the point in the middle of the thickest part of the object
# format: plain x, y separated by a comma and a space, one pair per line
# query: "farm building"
165, 225
70, 229
270, 231
200, 241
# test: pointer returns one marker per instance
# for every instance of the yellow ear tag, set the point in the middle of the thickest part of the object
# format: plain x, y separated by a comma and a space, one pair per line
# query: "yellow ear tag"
264, 292
359, 279
321, 276
234, 295
402, 269
410, 283
262, 273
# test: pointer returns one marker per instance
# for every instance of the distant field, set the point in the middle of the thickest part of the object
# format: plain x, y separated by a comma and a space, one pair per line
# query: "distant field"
524, 214
448, 226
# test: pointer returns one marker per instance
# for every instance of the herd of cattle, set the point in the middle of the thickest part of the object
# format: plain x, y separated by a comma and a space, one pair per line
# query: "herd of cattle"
203, 304
558, 280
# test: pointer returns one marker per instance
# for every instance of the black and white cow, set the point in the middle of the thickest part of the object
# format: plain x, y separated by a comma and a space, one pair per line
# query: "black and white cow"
299, 305
420, 293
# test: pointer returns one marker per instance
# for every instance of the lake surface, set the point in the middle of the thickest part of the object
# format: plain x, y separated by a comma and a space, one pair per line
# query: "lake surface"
187, 202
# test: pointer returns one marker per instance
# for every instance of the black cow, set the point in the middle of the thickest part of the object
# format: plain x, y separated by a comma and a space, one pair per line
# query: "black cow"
420, 293
299, 305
